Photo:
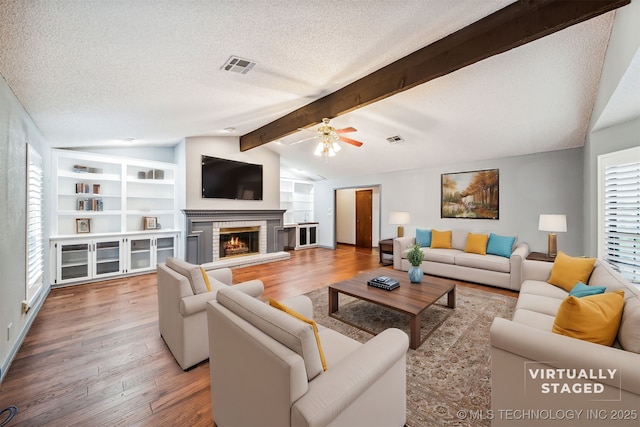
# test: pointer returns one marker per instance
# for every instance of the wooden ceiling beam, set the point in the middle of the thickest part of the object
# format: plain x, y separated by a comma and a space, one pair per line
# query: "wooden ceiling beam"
515, 25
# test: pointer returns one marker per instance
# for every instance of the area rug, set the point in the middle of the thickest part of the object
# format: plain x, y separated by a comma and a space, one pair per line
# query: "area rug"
449, 375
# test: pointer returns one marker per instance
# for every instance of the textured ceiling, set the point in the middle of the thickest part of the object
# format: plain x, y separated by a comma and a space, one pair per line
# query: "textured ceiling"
93, 72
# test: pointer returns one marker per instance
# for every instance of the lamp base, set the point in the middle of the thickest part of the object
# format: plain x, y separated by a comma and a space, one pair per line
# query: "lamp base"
400, 231
552, 249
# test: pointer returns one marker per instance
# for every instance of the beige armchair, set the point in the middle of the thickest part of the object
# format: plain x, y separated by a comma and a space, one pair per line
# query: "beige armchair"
266, 369
181, 312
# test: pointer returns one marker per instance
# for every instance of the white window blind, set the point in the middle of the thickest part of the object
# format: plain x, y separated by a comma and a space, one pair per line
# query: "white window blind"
620, 221
35, 227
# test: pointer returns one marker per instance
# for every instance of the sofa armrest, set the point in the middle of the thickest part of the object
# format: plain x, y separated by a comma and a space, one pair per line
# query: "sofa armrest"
196, 303
336, 389
254, 288
515, 270
400, 244
222, 274
532, 344
536, 270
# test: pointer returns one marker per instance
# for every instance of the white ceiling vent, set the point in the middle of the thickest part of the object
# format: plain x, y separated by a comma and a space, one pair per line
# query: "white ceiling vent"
238, 65
397, 139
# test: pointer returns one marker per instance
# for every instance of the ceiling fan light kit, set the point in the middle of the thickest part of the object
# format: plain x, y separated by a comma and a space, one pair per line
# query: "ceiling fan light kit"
328, 145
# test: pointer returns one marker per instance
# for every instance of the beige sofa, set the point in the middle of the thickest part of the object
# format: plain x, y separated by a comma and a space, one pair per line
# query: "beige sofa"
524, 348
266, 369
455, 263
182, 316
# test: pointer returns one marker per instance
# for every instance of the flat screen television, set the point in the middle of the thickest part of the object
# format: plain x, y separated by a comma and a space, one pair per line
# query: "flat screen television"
230, 179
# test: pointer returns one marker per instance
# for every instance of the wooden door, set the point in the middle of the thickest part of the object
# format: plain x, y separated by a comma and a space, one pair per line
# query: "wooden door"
364, 218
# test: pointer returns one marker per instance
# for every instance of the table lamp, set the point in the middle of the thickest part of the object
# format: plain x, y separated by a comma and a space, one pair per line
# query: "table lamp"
554, 224
399, 218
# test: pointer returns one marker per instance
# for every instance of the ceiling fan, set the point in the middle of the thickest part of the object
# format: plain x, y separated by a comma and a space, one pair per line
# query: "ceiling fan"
329, 137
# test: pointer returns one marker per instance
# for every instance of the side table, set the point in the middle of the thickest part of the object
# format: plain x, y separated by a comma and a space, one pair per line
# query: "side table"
385, 247
540, 256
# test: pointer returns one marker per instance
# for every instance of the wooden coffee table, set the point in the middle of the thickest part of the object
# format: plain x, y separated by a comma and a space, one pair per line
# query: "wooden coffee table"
410, 298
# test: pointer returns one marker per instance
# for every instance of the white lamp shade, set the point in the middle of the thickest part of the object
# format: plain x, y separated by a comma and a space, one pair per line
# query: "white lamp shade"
553, 223
399, 218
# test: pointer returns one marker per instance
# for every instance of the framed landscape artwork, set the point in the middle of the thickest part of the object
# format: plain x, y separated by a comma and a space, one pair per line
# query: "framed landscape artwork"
472, 195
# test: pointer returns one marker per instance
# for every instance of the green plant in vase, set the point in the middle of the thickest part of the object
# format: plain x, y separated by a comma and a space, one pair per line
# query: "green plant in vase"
415, 257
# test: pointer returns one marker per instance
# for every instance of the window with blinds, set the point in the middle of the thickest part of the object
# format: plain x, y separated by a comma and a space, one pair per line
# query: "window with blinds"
620, 218
35, 227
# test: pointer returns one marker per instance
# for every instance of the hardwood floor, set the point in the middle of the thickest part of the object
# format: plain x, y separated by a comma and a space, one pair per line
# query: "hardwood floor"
94, 355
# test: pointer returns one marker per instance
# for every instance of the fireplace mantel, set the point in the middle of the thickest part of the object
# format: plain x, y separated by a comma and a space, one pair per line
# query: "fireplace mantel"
200, 225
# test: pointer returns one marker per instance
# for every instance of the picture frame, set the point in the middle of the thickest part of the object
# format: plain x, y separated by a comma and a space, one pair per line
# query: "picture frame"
83, 225
470, 195
150, 222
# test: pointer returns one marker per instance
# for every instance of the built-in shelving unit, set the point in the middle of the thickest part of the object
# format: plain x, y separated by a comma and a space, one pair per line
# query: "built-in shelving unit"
112, 215
296, 197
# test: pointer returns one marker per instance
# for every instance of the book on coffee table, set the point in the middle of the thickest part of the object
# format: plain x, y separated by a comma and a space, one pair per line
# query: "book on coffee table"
384, 282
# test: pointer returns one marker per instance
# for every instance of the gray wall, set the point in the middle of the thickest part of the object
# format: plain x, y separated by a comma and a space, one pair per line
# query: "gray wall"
16, 129
529, 186
623, 45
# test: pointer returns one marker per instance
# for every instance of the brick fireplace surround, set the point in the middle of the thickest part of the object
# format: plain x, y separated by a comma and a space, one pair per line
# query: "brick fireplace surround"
203, 234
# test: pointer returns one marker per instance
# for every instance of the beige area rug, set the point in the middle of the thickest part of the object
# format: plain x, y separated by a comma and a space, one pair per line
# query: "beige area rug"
449, 375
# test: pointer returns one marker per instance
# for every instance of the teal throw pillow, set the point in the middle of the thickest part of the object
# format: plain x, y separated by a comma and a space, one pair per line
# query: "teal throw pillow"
581, 290
423, 238
500, 245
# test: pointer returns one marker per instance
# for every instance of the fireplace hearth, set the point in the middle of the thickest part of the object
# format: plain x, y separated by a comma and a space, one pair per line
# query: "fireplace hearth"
239, 241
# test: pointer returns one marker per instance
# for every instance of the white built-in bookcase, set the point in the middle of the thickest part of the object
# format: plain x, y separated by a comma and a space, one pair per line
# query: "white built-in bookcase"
111, 215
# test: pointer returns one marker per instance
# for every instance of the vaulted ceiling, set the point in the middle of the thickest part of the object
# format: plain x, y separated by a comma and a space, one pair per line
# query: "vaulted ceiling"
93, 73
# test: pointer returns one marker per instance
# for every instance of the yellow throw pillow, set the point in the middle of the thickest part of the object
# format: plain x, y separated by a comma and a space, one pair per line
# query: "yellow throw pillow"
567, 271
205, 276
477, 243
594, 318
280, 306
441, 239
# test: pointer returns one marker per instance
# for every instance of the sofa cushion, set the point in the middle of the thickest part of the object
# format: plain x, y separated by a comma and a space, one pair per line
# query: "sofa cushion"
594, 318
440, 239
291, 312
567, 271
500, 245
191, 272
476, 243
537, 320
539, 303
483, 262
423, 238
444, 256
537, 287
459, 239
581, 290
290, 332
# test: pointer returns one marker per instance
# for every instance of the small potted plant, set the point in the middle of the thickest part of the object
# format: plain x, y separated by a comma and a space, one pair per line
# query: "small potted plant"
415, 257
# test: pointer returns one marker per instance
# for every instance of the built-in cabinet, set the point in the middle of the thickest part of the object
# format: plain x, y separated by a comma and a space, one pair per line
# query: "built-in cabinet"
112, 216
306, 235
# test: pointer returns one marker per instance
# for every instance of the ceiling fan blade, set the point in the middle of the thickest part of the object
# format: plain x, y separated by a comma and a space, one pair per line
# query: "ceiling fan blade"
346, 130
350, 141
303, 140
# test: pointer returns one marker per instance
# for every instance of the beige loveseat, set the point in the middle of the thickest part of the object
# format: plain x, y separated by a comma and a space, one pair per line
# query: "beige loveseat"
524, 348
266, 369
182, 316
455, 263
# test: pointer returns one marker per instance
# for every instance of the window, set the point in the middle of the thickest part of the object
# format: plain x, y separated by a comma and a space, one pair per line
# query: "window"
619, 219
35, 243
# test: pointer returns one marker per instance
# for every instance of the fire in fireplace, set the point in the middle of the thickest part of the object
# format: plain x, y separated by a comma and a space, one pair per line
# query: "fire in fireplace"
239, 241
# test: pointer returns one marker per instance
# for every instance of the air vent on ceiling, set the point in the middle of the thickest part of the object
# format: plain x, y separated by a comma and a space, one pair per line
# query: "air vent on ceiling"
238, 65
397, 139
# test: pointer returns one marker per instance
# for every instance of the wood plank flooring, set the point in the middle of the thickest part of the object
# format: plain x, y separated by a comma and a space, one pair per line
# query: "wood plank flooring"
94, 355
